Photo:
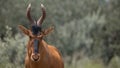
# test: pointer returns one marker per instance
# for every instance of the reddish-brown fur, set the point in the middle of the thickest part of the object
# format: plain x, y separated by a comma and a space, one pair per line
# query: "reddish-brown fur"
48, 56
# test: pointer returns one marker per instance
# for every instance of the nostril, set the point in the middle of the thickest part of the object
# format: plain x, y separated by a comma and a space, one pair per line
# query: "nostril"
35, 57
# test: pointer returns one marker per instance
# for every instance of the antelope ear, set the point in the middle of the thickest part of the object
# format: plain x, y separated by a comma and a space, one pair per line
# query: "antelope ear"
48, 30
23, 29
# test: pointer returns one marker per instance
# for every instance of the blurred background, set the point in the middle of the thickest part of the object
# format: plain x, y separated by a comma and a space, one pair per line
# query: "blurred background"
87, 32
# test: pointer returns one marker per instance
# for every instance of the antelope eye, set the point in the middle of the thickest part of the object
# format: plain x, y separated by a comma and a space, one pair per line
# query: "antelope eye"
39, 36
29, 36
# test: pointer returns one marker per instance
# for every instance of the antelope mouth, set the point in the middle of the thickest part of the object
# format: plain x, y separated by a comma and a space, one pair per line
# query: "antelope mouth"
35, 57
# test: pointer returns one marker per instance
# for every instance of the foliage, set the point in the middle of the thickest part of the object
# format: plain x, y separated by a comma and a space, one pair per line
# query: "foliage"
12, 51
88, 28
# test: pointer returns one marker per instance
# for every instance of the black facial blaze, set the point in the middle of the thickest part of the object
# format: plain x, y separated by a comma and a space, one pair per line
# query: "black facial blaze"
36, 46
36, 29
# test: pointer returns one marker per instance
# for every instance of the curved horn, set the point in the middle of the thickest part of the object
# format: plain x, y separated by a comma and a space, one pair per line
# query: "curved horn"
40, 20
28, 14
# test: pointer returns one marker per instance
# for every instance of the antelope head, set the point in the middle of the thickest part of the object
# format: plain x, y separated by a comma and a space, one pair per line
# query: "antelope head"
35, 33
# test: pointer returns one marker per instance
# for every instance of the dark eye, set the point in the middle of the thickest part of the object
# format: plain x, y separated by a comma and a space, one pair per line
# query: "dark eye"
30, 37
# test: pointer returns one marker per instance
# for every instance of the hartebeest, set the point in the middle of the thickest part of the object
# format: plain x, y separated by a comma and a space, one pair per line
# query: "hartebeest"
39, 53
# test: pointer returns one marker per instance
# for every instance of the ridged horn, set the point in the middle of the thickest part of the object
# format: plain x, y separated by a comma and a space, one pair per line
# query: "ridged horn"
41, 19
28, 14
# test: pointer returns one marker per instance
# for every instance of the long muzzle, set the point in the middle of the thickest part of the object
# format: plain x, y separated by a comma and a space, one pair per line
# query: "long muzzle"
36, 46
